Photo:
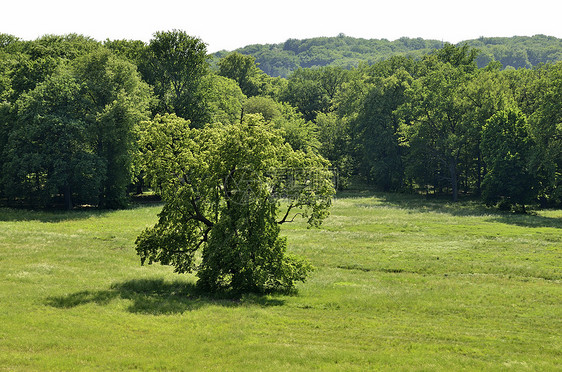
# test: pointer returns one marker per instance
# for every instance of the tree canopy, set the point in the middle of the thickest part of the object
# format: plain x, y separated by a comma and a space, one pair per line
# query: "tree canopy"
74, 133
410, 119
506, 147
223, 187
177, 63
347, 52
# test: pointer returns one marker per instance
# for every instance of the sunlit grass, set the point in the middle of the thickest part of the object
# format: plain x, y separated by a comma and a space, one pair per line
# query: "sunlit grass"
401, 283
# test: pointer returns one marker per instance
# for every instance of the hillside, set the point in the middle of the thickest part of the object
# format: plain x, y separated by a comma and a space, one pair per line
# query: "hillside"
280, 59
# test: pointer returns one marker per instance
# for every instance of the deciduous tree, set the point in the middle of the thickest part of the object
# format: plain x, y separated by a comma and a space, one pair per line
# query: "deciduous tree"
48, 150
243, 69
545, 124
115, 101
224, 98
223, 188
506, 146
177, 64
436, 125
75, 133
376, 132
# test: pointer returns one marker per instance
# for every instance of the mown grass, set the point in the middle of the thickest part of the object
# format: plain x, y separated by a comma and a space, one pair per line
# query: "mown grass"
401, 283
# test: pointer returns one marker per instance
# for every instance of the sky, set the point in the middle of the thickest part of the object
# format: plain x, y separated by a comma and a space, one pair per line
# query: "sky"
228, 25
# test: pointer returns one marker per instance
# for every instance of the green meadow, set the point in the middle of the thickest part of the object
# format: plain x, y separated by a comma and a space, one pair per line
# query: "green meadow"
400, 283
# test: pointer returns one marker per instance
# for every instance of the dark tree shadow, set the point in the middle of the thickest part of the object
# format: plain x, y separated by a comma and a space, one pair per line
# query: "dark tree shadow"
48, 216
528, 220
159, 297
466, 206
57, 215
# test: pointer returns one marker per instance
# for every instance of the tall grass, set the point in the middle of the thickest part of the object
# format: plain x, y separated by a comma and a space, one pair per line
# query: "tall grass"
401, 283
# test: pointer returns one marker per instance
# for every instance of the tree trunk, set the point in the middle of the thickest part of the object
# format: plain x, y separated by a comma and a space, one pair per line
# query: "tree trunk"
67, 197
139, 185
454, 181
479, 172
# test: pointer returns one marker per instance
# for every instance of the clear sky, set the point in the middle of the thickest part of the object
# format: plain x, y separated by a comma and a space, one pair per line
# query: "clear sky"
230, 24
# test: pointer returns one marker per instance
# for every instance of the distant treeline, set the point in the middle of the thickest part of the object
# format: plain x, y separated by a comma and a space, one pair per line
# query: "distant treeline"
436, 118
344, 51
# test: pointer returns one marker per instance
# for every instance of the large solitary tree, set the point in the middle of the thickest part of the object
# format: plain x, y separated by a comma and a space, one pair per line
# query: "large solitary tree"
228, 189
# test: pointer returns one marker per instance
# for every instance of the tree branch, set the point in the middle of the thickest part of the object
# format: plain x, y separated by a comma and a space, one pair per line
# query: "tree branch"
204, 239
286, 215
198, 215
284, 220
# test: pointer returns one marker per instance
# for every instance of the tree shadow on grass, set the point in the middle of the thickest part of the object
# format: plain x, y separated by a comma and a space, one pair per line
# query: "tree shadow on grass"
159, 297
466, 206
48, 216
8, 214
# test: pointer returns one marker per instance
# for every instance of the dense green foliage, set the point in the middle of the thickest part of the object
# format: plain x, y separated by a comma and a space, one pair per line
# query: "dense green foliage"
176, 64
406, 122
74, 132
244, 71
506, 147
343, 51
518, 51
222, 186
400, 283
340, 51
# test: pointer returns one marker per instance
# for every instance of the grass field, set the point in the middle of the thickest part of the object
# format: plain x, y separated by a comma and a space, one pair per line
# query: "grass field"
401, 283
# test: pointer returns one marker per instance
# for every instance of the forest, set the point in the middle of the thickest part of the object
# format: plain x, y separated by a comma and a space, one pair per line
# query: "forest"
406, 116
344, 51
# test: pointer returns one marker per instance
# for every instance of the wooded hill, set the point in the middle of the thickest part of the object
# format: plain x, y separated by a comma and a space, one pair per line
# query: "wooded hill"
344, 51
